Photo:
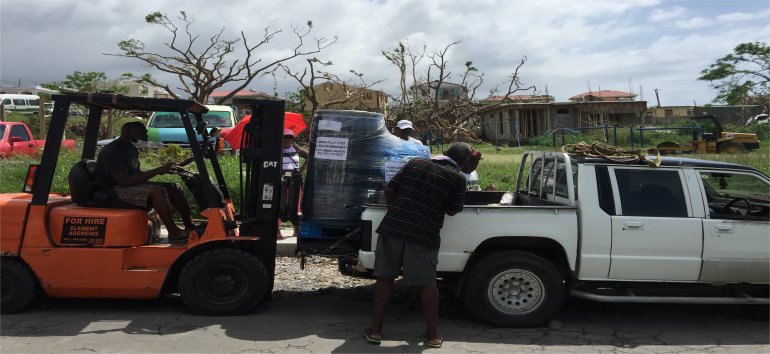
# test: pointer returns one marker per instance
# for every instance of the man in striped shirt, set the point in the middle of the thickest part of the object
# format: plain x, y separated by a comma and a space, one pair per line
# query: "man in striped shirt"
418, 196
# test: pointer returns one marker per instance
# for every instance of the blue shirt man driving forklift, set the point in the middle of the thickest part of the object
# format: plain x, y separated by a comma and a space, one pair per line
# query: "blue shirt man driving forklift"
118, 167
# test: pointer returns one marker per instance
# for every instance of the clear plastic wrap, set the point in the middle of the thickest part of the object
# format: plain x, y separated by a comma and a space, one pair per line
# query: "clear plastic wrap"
352, 156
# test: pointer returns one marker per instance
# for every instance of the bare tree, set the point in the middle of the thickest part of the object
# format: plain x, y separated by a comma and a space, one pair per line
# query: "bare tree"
340, 91
451, 113
205, 65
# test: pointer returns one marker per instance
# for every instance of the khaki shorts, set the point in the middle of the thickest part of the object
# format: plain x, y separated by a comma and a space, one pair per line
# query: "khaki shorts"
138, 194
394, 256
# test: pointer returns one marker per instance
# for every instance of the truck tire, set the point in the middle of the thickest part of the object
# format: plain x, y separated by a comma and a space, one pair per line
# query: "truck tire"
732, 148
223, 282
514, 289
18, 286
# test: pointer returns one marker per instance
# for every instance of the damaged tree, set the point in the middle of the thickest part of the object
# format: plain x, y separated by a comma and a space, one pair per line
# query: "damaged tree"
341, 91
425, 101
203, 67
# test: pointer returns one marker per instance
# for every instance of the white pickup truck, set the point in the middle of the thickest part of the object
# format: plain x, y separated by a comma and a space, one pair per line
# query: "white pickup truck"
688, 231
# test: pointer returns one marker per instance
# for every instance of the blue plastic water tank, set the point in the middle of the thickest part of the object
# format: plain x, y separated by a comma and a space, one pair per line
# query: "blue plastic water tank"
351, 152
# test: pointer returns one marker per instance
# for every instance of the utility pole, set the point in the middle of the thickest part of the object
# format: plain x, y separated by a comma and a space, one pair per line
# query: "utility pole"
657, 97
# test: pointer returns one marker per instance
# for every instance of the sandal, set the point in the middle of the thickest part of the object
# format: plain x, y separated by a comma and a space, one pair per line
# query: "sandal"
181, 237
432, 343
371, 340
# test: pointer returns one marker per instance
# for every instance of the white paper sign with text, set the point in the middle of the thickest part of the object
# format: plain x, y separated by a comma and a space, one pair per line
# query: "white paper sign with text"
329, 148
332, 125
391, 168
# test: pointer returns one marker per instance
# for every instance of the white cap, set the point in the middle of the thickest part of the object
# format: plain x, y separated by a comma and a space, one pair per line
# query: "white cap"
288, 132
404, 124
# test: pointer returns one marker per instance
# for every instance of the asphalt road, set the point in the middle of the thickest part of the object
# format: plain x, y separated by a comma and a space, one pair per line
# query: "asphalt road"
332, 320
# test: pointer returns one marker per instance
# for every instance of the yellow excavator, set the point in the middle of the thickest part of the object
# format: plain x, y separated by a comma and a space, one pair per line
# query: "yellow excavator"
717, 141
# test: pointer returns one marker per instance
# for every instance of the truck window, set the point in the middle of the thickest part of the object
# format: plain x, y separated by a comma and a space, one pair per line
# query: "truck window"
543, 178
217, 119
736, 195
2, 132
167, 120
604, 187
18, 130
645, 192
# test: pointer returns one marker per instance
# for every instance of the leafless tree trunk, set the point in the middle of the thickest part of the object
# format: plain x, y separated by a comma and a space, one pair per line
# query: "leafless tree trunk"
205, 65
346, 90
450, 114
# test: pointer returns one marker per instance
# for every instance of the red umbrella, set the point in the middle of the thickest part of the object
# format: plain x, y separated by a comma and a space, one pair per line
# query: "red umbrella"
291, 121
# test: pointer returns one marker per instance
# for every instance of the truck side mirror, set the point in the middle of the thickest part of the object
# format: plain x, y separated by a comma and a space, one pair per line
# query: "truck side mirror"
14, 139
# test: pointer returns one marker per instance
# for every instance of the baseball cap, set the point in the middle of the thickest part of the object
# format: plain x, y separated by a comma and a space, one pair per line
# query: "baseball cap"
288, 132
404, 124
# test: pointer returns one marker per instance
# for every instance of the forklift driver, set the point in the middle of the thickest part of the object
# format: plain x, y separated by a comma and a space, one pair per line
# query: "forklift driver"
117, 166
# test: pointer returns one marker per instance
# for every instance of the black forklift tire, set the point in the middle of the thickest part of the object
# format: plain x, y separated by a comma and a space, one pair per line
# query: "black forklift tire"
514, 289
732, 147
224, 281
18, 285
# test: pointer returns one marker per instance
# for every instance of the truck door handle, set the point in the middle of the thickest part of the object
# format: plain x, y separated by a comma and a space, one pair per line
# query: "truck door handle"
633, 226
724, 228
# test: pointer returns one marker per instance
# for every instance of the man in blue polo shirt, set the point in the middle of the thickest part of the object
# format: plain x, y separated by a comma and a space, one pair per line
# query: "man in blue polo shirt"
418, 196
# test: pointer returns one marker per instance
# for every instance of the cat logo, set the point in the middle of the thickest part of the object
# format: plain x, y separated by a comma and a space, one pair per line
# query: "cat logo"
273, 164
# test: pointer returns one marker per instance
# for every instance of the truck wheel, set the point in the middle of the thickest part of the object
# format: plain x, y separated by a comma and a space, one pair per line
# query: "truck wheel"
732, 148
18, 286
514, 289
223, 282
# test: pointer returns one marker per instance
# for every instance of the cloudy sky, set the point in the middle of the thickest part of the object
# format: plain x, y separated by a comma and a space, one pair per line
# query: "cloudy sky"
571, 45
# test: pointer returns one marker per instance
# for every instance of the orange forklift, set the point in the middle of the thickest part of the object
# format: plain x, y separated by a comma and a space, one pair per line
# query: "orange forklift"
88, 244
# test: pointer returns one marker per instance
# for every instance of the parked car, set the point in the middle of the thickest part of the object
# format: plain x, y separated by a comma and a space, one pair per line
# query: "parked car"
167, 128
20, 103
16, 138
759, 119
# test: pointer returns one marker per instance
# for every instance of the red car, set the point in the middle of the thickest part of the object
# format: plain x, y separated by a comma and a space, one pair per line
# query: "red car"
16, 138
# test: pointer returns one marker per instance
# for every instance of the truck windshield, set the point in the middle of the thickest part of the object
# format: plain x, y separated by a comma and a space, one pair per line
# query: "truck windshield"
173, 120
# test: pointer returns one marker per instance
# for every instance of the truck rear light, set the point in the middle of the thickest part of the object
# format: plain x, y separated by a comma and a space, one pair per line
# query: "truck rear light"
29, 182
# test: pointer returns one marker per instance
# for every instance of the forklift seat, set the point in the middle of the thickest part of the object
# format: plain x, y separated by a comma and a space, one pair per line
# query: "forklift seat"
86, 191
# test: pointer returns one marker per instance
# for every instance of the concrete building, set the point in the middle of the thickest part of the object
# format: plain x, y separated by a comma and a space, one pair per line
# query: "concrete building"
668, 114
337, 96
446, 91
726, 114
515, 123
603, 95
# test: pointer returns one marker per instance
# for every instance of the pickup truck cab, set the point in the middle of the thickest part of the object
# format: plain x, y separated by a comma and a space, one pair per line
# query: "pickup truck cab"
166, 127
688, 231
16, 138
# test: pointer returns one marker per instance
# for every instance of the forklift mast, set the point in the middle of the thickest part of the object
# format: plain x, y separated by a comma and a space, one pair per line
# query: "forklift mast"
261, 161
